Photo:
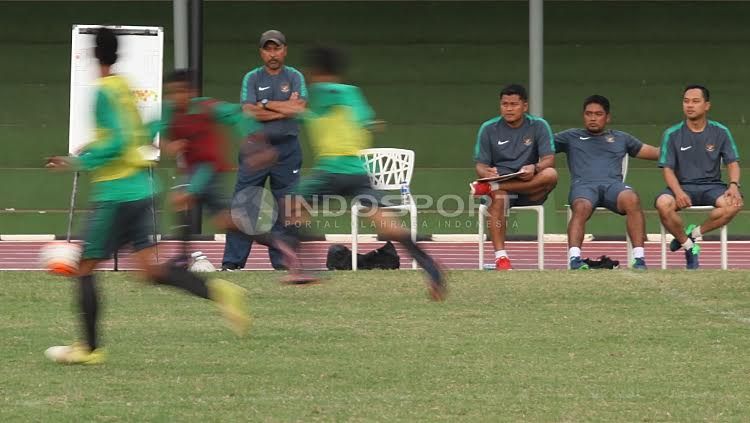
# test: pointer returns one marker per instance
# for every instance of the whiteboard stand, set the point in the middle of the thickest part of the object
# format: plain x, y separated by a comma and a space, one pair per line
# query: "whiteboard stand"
72, 204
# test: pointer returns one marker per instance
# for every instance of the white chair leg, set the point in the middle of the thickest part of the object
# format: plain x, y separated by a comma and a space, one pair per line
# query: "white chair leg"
413, 221
570, 216
540, 237
355, 235
724, 252
629, 246
663, 242
480, 245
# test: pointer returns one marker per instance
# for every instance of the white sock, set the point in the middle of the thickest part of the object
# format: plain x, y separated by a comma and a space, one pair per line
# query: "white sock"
638, 252
494, 186
500, 253
696, 232
688, 244
574, 252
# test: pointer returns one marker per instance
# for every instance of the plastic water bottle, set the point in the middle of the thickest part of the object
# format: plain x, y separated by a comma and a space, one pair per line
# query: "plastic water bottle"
405, 193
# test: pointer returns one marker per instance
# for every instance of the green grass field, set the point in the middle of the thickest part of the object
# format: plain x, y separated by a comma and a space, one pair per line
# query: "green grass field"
519, 346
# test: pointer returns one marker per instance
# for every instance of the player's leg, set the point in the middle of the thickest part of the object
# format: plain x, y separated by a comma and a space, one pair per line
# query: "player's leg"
627, 202
231, 299
284, 176
721, 215
238, 244
100, 241
537, 187
390, 229
497, 210
583, 199
666, 205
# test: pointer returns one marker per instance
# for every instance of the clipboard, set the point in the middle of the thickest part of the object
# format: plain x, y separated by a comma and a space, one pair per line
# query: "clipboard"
501, 178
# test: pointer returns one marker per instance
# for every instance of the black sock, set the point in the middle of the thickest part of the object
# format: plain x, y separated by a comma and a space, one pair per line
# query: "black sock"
184, 233
181, 278
423, 259
89, 305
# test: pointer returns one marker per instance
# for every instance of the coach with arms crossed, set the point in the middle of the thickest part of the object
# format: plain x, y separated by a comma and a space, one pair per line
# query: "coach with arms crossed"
691, 156
512, 142
273, 94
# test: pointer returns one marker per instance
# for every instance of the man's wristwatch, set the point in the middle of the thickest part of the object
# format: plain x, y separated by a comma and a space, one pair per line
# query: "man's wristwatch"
736, 183
264, 103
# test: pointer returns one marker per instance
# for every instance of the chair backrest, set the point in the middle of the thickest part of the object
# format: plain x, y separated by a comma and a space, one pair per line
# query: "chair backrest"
625, 160
388, 168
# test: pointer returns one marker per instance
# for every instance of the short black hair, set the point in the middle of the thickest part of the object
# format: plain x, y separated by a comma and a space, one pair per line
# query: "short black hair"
182, 75
597, 99
326, 60
704, 90
106, 46
515, 89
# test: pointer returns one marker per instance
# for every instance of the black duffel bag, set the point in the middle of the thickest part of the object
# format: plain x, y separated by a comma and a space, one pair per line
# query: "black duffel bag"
385, 257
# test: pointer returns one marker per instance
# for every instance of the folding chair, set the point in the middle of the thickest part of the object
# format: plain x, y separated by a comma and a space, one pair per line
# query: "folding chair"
539, 232
629, 244
723, 240
389, 169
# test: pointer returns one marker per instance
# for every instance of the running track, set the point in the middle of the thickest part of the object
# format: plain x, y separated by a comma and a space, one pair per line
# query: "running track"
22, 255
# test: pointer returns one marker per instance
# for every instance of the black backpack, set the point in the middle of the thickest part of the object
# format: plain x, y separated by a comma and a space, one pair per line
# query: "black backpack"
385, 257
604, 262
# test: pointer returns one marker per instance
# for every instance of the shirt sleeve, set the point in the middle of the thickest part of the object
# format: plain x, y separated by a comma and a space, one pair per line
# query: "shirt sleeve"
482, 150
298, 84
104, 150
667, 155
161, 126
363, 113
729, 151
232, 116
545, 141
633, 145
247, 93
561, 141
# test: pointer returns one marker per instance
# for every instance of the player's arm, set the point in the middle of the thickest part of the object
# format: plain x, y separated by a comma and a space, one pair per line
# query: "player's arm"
250, 104
667, 161
483, 155
545, 162
298, 100
648, 152
107, 149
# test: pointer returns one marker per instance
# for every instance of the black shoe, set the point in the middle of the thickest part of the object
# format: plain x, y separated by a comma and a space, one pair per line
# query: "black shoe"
279, 267
229, 267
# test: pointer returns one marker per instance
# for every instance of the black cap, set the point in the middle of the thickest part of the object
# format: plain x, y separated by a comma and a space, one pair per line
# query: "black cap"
273, 36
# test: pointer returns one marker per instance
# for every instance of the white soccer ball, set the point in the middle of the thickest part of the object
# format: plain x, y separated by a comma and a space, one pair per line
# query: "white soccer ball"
202, 264
60, 258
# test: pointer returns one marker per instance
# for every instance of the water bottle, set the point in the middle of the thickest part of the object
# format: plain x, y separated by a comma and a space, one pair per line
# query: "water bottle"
405, 193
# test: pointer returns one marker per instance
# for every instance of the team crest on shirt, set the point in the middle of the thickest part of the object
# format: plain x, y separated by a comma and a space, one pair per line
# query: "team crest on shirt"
710, 147
610, 138
527, 141
284, 88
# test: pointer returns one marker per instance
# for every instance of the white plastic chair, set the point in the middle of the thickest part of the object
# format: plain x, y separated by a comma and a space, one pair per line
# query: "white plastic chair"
629, 244
723, 238
388, 169
539, 232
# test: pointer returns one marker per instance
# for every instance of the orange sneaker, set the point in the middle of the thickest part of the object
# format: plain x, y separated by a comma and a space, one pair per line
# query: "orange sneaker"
503, 263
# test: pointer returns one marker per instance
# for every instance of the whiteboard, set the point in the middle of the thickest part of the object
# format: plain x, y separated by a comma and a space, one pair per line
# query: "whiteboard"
139, 59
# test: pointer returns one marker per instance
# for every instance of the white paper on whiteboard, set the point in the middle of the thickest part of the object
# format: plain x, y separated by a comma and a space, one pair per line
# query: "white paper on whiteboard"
139, 59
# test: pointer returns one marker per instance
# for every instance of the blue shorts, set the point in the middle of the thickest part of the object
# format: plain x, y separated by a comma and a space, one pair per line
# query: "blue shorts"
599, 194
700, 194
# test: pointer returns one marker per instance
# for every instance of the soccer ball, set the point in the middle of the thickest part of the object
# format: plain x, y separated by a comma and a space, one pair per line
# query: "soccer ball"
60, 258
201, 263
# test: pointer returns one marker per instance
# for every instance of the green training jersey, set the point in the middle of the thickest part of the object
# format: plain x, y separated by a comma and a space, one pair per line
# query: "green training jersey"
337, 119
118, 170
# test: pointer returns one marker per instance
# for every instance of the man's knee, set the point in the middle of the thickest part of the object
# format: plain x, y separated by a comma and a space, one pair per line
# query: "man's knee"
629, 202
548, 177
581, 207
666, 203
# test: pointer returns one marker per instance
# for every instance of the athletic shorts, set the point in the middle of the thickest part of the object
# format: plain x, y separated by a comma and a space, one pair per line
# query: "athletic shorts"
322, 183
598, 194
700, 194
114, 224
